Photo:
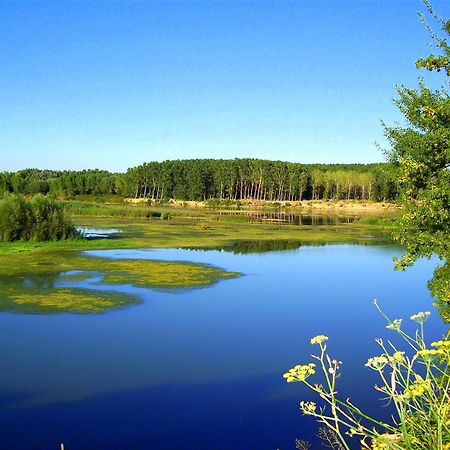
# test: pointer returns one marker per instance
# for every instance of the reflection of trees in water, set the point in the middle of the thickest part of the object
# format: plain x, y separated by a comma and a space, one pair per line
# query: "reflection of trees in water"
262, 246
286, 218
271, 245
255, 246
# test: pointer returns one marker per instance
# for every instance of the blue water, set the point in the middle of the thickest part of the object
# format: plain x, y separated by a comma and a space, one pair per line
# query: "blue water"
202, 368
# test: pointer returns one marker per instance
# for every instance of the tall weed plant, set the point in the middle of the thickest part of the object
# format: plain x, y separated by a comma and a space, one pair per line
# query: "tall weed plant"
415, 380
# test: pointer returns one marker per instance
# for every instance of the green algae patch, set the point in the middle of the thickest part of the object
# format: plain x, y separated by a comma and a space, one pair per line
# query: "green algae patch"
161, 274
58, 300
53, 281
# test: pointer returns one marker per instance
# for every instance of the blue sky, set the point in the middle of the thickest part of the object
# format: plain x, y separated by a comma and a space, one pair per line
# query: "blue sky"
111, 84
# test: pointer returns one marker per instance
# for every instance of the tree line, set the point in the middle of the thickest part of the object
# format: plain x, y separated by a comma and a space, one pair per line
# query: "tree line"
203, 179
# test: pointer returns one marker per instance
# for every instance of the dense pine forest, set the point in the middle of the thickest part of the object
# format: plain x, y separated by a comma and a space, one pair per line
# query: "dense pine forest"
203, 179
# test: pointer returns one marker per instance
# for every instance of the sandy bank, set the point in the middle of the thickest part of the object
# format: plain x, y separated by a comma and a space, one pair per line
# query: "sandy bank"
331, 206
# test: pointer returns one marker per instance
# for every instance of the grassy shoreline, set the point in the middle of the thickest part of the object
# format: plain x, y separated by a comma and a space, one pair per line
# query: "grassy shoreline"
31, 272
203, 232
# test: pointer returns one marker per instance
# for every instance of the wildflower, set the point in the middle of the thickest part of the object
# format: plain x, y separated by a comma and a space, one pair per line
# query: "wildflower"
418, 387
377, 362
394, 325
319, 339
399, 398
396, 357
421, 316
300, 372
442, 344
384, 441
427, 352
308, 408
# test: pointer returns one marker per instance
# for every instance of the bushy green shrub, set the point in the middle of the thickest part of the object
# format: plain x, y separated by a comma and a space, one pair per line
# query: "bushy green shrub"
38, 219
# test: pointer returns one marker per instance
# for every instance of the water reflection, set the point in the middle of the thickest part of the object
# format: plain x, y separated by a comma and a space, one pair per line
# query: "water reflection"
292, 218
272, 245
99, 233
202, 369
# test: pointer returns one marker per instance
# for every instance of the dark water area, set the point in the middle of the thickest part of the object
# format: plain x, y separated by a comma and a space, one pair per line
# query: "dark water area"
202, 368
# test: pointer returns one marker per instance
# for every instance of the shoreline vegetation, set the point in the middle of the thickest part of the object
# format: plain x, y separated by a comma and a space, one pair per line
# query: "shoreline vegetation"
176, 223
32, 271
235, 210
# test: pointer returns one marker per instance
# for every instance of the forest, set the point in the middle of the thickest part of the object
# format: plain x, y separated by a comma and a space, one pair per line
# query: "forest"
203, 179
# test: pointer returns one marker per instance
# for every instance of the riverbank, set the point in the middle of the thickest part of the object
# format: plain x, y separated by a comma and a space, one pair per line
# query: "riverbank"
305, 206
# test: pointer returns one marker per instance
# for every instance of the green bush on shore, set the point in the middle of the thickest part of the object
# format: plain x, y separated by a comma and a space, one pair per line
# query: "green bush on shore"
38, 219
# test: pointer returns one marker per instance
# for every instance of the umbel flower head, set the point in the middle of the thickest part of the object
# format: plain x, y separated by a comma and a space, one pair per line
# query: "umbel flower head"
421, 316
394, 325
377, 362
300, 372
308, 408
319, 339
419, 387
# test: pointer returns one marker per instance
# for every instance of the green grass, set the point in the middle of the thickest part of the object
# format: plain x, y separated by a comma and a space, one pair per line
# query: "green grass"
378, 221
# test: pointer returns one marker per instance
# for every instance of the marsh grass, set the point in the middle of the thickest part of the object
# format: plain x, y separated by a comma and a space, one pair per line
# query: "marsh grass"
86, 208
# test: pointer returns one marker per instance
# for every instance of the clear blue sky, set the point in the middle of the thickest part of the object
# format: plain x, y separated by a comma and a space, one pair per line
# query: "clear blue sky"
111, 84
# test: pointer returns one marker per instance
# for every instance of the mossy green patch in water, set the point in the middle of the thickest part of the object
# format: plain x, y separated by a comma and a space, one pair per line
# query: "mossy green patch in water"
57, 300
33, 284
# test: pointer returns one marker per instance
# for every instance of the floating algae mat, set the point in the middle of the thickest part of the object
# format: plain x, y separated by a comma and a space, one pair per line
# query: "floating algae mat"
57, 281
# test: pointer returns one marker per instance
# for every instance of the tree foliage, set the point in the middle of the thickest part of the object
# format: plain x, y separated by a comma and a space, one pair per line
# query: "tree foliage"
255, 179
203, 179
421, 150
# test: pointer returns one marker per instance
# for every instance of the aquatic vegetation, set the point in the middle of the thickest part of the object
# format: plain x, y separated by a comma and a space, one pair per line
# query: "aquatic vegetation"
416, 384
34, 284
157, 273
65, 300
27, 266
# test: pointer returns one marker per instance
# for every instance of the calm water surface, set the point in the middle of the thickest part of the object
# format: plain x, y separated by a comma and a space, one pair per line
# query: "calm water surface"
202, 368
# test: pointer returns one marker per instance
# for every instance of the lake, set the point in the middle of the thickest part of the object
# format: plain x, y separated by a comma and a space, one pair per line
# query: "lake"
202, 368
